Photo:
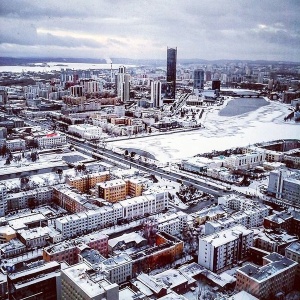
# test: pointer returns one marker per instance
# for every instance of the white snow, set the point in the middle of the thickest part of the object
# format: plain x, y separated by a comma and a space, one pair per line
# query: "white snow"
220, 133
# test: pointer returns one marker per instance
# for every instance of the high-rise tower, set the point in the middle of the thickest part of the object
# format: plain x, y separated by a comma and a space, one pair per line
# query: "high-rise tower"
122, 84
171, 72
198, 79
156, 94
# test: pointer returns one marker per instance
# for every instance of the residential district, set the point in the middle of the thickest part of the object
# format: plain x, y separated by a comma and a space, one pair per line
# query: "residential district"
84, 219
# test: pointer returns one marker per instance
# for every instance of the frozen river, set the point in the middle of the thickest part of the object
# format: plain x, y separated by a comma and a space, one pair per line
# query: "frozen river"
263, 124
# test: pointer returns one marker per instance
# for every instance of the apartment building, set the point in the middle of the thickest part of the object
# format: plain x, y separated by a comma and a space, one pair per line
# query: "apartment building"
118, 268
16, 144
293, 252
172, 224
134, 186
68, 251
83, 183
83, 282
109, 215
3, 200
223, 250
277, 275
69, 199
285, 186
249, 218
113, 190
142, 205
72, 225
163, 249
35, 281
31, 198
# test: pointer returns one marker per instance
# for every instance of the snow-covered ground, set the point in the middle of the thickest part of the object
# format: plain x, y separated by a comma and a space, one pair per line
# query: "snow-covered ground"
264, 124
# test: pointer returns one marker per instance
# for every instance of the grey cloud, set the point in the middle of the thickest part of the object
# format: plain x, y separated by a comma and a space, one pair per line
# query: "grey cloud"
203, 29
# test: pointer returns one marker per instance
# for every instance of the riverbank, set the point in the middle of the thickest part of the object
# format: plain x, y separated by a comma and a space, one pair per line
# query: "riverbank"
219, 133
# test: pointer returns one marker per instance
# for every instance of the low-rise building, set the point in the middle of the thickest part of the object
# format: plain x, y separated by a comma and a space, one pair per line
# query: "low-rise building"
84, 182
245, 161
7, 233
82, 282
35, 237
125, 241
273, 241
16, 144
51, 140
277, 275
37, 280
31, 198
68, 251
12, 248
293, 252
86, 131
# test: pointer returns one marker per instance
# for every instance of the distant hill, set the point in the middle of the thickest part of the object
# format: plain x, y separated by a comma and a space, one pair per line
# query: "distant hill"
13, 61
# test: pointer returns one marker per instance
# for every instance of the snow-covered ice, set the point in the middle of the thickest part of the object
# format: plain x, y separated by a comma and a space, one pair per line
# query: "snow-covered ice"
264, 124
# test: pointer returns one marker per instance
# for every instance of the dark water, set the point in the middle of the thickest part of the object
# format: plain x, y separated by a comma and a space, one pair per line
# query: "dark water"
242, 105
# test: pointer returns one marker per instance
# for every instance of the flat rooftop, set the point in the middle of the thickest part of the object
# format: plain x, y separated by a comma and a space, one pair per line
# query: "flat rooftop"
265, 272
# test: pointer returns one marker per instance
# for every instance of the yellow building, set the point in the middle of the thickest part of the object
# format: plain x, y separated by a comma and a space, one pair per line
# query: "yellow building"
134, 186
6, 234
113, 190
84, 183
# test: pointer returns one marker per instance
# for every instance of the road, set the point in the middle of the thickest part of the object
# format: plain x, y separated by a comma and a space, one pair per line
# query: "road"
109, 155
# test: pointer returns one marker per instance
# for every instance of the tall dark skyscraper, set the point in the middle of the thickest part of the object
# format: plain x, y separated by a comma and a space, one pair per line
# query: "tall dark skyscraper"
171, 72
198, 79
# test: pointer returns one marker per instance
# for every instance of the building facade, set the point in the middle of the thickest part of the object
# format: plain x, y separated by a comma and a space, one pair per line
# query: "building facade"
222, 250
171, 72
277, 275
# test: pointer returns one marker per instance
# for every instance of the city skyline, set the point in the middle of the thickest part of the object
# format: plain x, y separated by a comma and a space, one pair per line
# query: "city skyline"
142, 30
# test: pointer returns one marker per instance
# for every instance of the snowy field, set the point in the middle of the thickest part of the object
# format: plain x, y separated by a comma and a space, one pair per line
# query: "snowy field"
264, 124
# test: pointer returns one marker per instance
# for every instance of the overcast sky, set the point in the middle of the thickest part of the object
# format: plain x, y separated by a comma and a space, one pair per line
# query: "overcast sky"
212, 29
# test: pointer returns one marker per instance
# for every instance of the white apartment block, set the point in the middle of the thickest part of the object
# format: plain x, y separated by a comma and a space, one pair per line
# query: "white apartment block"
72, 225
173, 223
245, 161
16, 144
237, 202
86, 131
223, 250
146, 204
108, 215
118, 268
249, 218
22, 200
51, 140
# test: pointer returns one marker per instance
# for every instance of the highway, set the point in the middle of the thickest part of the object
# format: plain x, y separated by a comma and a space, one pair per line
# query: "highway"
110, 156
